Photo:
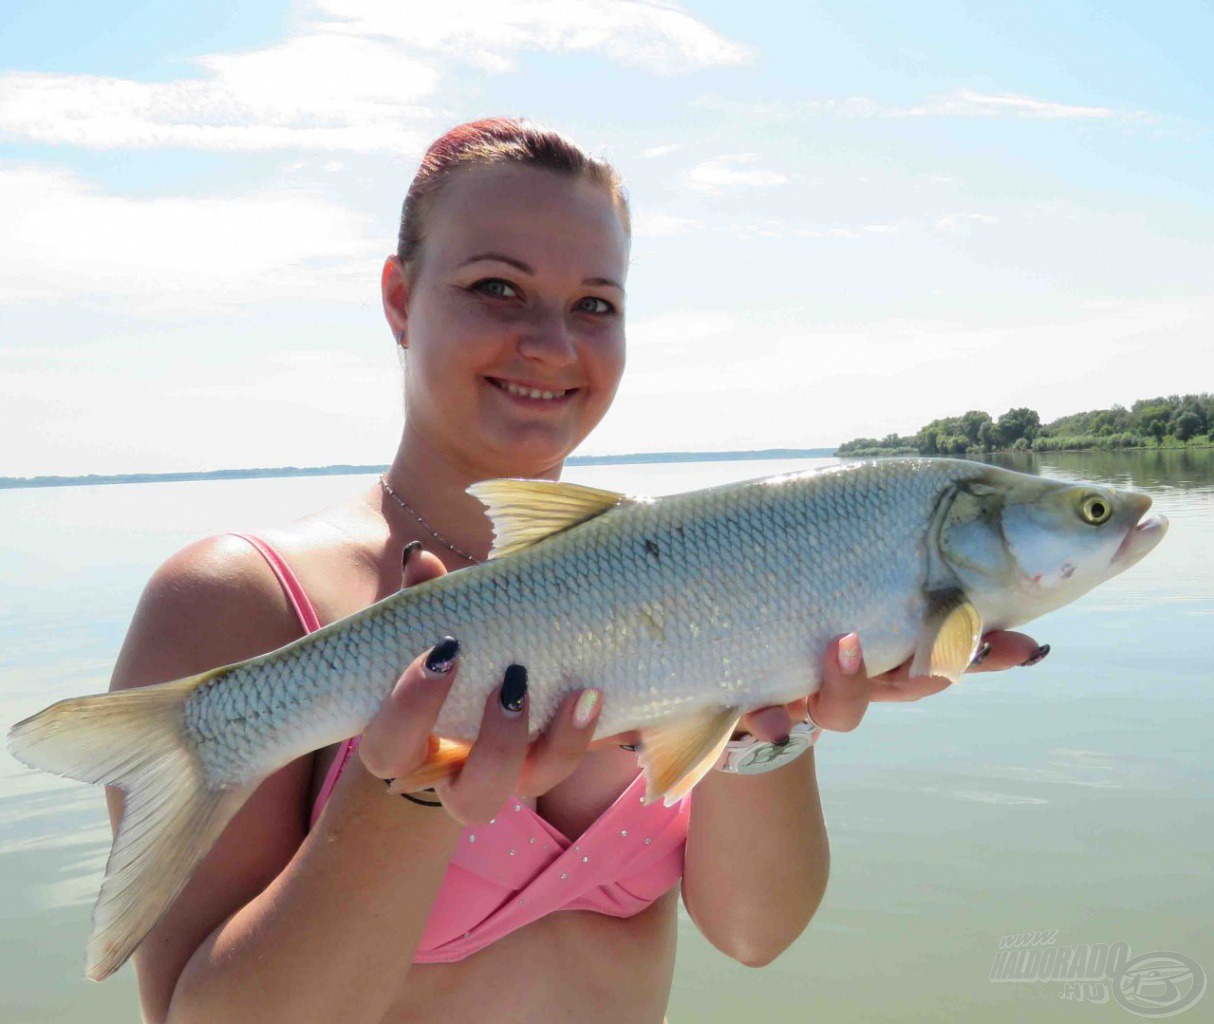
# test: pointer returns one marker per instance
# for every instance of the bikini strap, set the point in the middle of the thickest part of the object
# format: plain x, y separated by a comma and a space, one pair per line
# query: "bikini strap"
290, 583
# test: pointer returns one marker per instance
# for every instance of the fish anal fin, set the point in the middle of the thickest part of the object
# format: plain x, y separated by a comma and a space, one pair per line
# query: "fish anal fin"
949, 637
525, 512
444, 761
676, 755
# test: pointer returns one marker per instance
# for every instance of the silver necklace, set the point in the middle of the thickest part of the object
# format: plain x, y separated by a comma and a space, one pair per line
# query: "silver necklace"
383, 482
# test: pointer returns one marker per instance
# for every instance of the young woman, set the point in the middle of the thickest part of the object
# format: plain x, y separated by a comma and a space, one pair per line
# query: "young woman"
533, 886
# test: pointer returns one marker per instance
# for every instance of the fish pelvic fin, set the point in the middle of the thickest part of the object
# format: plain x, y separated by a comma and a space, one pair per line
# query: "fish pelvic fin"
525, 512
135, 740
949, 638
445, 759
676, 755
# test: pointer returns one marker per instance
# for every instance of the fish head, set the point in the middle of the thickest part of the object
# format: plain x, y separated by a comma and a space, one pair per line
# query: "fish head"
1021, 546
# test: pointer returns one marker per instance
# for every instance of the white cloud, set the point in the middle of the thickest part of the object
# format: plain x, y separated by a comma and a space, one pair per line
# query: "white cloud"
729, 171
655, 224
359, 78
659, 37
960, 223
965, 103
366, 100
174, 254
658, 151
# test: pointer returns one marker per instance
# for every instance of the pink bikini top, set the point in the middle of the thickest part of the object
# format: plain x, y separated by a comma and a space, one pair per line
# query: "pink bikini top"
517, 868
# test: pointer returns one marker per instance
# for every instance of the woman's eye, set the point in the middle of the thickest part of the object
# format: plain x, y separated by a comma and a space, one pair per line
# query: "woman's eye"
497, 287
593, 304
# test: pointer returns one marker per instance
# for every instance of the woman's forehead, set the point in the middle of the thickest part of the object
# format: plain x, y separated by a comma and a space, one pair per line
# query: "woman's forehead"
534, 215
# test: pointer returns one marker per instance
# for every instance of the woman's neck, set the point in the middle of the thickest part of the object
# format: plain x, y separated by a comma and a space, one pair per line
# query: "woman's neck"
434, 484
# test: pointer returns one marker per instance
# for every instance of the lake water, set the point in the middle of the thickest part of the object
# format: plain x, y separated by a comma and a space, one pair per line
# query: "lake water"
1073, 796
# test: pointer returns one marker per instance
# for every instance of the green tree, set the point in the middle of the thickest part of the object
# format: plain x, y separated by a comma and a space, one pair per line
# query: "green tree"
1017, 423
1187, 425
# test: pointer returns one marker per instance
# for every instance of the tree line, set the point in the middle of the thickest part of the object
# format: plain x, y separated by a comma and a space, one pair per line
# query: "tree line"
1175, 421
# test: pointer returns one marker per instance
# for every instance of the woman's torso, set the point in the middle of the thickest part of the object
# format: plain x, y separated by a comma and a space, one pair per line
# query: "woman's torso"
582, 965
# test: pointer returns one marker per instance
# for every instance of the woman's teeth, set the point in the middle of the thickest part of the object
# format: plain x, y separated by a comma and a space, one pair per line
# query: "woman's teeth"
517, 389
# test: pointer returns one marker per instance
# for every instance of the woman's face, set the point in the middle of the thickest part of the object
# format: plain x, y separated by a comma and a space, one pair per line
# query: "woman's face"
514, 319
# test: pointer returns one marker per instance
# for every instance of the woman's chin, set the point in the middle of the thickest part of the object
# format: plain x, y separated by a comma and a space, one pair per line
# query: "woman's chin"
527, 450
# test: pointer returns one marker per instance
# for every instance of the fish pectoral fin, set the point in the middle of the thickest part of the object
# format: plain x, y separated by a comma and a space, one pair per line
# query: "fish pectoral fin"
676, 755
525, 512
949, 637
445, 759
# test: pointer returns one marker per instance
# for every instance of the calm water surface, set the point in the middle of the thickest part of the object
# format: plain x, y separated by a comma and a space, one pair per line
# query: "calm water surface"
1075, 795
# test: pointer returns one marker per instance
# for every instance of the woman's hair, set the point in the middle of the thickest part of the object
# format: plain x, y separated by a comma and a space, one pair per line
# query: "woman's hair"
496, 140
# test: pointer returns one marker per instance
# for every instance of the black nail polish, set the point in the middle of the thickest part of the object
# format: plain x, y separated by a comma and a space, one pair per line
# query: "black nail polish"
514, 688
1038, 655
442, 656
411, 549
782, 742
984, 652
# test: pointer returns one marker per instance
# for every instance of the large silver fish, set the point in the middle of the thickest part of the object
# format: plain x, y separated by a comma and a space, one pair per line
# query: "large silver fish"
687, 611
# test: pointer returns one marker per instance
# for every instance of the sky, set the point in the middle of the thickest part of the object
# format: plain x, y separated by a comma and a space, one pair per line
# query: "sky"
850, 217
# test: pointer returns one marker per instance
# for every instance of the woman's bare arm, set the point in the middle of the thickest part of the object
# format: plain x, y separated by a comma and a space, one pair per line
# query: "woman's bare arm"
279, 923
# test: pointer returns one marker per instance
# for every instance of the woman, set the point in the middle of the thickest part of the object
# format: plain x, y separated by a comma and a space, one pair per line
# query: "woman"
506, 297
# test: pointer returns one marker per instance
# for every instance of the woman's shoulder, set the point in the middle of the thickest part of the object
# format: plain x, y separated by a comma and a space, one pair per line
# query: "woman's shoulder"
214, 602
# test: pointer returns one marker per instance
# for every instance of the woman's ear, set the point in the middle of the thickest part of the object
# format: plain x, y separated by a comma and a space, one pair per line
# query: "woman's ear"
394, 288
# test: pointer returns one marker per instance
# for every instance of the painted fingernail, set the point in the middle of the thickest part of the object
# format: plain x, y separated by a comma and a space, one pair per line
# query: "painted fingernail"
442, 656
849, 654
587, 708
411, 549
984, 652
782, 742
1038, 655
514, 690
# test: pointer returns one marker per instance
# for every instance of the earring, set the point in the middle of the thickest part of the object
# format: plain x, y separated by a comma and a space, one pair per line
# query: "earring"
400, 338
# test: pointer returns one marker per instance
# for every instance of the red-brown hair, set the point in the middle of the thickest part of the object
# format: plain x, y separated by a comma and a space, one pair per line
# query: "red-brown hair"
496, 140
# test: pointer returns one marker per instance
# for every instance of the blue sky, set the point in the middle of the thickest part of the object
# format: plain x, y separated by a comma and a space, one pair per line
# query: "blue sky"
850, 217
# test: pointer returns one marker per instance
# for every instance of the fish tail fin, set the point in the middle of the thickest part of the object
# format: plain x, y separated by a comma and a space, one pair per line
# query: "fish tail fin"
136, 740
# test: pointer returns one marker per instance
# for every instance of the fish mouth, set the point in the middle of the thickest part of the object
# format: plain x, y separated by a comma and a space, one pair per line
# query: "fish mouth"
1140, 540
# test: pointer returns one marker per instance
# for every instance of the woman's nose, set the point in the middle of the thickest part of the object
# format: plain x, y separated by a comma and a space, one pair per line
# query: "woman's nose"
548, 339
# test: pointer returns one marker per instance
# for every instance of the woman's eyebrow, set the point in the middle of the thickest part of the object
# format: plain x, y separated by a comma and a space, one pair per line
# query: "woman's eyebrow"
527, 268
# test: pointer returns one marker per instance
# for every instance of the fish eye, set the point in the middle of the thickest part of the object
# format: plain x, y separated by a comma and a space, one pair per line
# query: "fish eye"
1095, 509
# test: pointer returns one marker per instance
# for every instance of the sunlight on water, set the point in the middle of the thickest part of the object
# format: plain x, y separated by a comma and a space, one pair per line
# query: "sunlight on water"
1075, 795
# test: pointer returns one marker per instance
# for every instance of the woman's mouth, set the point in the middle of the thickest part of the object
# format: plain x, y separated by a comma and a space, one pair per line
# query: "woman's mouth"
532, 393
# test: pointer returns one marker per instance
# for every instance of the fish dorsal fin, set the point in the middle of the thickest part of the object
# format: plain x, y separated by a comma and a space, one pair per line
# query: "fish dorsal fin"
524, 512
676, 755
949, 637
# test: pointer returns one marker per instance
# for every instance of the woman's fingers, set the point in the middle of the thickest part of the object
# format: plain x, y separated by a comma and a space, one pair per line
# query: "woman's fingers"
843, 698
772, 724
491, 772
1007, 650
561, 746
419, 565
396, 740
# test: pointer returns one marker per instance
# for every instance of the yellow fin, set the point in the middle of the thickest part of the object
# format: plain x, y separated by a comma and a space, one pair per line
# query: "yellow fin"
524, 512
445, 759
949, 638
676, 755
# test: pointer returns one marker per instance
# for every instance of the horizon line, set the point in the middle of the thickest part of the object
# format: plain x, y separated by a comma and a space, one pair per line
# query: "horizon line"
92, 479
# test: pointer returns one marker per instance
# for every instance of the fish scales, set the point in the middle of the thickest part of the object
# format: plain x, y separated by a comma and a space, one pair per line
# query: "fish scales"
634, 602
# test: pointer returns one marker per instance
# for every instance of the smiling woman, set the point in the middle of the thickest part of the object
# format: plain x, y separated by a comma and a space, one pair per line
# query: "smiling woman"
325, 897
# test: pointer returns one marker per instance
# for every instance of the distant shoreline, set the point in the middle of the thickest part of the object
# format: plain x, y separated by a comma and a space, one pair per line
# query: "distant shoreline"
91, 480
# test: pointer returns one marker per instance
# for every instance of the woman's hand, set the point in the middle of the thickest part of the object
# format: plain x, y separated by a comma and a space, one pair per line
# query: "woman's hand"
846, 691
500, 764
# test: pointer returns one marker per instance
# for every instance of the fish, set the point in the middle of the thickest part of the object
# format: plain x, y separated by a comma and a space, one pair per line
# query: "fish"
686, 611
